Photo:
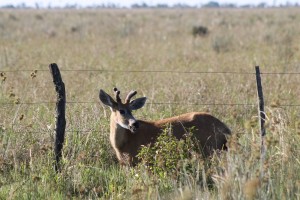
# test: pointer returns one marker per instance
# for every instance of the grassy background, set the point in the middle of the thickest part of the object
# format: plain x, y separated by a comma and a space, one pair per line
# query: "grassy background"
123, 40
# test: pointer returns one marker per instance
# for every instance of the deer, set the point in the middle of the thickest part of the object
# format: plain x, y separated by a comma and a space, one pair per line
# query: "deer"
128, 135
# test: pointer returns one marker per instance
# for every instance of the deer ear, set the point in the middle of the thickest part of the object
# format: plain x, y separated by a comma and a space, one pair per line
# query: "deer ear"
137, 103
106, 99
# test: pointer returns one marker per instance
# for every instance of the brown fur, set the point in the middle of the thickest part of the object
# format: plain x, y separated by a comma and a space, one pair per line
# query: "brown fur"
210, 132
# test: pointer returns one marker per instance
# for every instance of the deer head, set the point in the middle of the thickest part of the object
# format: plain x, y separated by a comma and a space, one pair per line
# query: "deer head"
122, 112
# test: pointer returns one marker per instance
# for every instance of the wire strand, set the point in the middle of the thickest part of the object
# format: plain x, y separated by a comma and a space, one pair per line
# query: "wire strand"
152, 71
151, 103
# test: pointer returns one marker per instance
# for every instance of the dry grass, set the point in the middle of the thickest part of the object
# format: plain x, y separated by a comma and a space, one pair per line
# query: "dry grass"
147, 40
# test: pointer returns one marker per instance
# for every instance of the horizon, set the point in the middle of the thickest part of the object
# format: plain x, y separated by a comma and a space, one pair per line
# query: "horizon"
130, 3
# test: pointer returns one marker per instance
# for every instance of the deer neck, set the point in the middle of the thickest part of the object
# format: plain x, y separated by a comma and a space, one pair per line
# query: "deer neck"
118, 134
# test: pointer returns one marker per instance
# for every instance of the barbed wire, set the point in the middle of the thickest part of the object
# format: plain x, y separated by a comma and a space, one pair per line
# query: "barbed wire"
152, 71
85, 131
53, 130
151, 103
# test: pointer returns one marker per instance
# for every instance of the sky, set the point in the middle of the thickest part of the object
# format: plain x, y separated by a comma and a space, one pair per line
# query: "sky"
127, 3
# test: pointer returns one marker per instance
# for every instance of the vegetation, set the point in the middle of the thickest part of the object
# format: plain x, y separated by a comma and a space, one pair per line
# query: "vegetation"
117, 41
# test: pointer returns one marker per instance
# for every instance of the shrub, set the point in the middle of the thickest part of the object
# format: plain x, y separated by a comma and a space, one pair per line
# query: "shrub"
170, 156
200, 31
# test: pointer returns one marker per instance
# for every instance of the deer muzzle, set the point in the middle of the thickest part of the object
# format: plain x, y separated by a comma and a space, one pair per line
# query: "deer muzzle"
133, 126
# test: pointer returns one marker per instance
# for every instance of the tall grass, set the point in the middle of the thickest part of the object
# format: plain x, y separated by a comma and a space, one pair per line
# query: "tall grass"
123, 40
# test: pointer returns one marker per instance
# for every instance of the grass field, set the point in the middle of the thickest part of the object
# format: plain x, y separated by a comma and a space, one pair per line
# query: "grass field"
148, 40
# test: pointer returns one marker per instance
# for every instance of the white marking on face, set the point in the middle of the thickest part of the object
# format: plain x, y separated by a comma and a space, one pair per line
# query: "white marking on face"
122, 125
127, 121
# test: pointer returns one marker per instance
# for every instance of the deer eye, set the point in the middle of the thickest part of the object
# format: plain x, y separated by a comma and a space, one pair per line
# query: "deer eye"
122, 112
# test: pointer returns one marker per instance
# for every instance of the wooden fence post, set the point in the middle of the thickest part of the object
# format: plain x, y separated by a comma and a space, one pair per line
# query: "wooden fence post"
60, 113
262, 117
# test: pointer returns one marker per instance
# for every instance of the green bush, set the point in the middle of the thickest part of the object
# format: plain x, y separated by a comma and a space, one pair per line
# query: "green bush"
170, 156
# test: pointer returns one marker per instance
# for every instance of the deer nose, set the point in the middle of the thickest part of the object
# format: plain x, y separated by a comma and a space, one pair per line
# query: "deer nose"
134, 126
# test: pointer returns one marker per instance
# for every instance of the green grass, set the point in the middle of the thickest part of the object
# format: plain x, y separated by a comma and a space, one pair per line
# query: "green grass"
123, 40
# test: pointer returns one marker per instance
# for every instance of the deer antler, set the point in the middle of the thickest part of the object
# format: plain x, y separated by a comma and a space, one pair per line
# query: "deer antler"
117, 92
129, 96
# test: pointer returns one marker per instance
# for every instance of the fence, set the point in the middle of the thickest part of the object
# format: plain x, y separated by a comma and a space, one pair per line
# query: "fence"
154, 71
61, 99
